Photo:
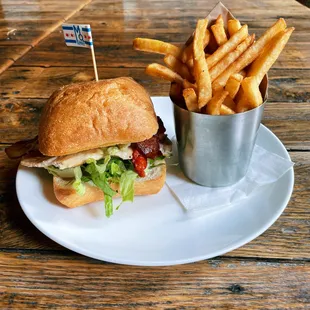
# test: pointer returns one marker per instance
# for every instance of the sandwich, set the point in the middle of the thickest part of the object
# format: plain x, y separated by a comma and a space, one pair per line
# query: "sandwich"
99, 140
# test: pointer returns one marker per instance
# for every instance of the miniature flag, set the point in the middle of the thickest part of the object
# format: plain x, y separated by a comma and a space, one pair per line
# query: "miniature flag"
80, 36
77, 35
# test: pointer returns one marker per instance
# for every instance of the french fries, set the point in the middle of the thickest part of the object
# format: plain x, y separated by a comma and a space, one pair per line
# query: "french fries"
163, 72
218, 71
229, 102
156, 46
242, 104
243, 73
176, 65
252, 97
250, 54
225, 110
190, 97
212, 46
233, 25
190, 65
218, 31
225, 62
233, 85
187, 84
263, 63
188, 50
201, 71
228, 46
214, 105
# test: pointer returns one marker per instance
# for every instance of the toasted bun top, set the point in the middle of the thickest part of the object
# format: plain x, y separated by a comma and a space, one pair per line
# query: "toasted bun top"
89, 115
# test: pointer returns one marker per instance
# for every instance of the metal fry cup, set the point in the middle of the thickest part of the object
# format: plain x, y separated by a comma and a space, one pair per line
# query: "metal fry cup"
214, 150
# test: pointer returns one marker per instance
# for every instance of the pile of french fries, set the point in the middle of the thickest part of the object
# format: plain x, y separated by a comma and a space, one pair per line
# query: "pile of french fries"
218, 71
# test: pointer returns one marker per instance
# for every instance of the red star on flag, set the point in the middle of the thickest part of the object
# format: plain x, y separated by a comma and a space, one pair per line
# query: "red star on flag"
71, 35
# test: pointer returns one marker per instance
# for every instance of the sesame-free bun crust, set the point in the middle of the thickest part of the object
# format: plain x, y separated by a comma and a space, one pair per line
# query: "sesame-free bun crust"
89, 115
67, 195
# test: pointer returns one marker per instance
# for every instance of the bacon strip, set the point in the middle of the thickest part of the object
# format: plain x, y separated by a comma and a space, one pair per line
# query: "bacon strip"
21, 148
150, 148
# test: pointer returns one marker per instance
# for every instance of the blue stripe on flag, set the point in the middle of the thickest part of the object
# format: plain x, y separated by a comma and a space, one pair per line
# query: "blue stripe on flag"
67, 28
70, 41
89, 43
86, 29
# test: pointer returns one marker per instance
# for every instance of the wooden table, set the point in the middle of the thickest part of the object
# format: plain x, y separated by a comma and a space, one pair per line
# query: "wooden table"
271, 272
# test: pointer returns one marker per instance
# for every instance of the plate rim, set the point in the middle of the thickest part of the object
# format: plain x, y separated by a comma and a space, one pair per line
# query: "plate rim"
224, 250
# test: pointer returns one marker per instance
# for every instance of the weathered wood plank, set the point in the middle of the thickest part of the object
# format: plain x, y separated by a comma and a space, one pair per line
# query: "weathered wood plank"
38, 82
5, 64
42, 6
22, 32
73, 282
121, 54
20, 118
294, 134
193, 5
10, 53
197, 8
286, 85
43, 10
13, 52
13, 81
288, 238
111, 31
111, 48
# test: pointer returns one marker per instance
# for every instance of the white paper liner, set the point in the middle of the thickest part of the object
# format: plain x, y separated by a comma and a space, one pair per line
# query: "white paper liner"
265, 168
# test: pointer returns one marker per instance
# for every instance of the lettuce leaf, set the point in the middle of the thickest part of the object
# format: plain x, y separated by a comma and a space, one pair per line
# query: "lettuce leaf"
108, 204
97, 173
127, 185
93, 165
158, 161
65, 173
78, 185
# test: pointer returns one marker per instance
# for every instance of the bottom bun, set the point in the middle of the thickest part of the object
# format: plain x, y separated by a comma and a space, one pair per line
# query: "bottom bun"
66, 194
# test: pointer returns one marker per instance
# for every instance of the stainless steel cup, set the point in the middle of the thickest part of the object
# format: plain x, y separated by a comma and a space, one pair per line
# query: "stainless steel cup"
214, 150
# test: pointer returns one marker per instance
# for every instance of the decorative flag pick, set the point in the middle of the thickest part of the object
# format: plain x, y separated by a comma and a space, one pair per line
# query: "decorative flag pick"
80, 36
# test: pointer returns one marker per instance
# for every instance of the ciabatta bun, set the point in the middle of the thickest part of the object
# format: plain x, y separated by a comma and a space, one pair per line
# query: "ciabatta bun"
90, 115
67, 195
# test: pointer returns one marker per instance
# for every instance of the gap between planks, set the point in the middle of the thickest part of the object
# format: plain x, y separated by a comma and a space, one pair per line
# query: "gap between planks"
76, 256
36, 41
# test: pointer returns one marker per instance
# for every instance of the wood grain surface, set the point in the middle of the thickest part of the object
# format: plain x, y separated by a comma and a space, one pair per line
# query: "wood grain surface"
51, 281
21, 25
271, 272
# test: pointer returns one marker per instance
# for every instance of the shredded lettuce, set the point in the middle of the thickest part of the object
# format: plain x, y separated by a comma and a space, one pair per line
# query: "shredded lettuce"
104, 172
158, 161
97, 173
98, 165
65, 173
108, 204
116, 167
78, 185
127, 185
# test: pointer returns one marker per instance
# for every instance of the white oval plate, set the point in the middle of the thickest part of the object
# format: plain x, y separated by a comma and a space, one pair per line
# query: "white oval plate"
154, 230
